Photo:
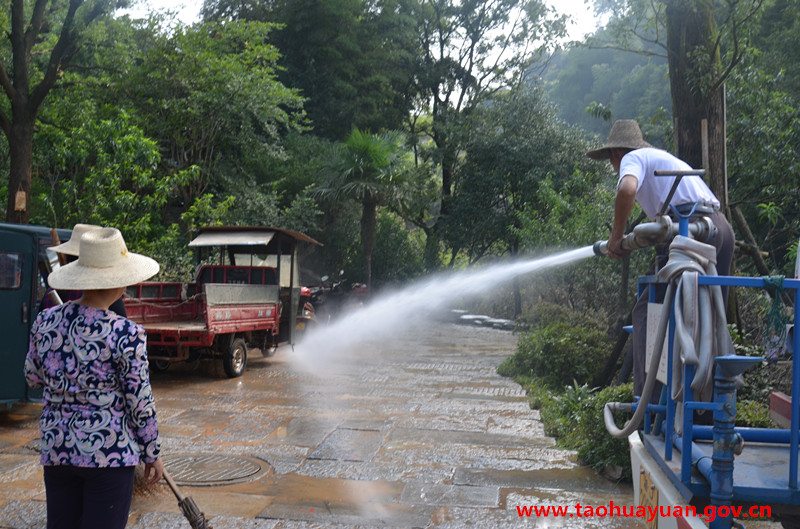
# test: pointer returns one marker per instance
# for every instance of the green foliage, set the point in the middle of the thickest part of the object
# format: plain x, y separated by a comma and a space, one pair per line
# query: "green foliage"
368, 169
595, 446
351, 59
563, 411
103, 172
207, 94
559, 351
594, 85
519, 159
574, 416
764, 148
397, 258
753, 414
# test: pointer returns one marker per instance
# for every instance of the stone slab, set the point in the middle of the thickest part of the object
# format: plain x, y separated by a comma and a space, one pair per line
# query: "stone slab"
450, 495
575, 479
349, 445
370, 514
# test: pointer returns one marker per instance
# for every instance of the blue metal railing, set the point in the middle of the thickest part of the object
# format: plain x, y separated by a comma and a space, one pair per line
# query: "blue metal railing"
718, 470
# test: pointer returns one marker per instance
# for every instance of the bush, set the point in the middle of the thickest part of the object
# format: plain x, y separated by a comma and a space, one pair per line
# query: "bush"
753, 414
574, 417
559, 353
561, 414
596, 447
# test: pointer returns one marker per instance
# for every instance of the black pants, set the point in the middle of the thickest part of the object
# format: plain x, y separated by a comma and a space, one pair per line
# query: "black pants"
88, 498
724, 242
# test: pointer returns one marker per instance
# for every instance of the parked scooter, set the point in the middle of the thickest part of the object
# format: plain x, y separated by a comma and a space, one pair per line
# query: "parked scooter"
333, 298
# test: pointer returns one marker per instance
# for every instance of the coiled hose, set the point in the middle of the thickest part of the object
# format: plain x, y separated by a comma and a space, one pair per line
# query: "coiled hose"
701, 330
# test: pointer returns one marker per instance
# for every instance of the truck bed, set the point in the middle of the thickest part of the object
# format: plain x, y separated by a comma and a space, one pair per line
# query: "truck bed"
192, 314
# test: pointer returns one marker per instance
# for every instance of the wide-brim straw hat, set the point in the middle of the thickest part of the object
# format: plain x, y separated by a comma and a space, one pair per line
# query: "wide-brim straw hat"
72, 246
625, 134
103, 262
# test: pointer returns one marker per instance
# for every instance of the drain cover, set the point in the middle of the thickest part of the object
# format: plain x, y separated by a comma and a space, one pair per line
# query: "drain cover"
213, 469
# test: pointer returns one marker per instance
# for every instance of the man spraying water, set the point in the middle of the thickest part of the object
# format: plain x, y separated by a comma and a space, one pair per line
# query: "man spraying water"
636, 163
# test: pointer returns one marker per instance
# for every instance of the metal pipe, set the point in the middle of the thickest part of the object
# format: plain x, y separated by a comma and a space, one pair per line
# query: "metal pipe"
795, 424
750, 435
659, 231
726, 441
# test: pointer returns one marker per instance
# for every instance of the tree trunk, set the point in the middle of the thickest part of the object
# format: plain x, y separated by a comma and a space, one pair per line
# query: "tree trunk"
20, 144
691, 31
369, 230
26, 100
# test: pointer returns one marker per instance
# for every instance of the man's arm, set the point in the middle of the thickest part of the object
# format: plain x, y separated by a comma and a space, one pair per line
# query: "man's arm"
623, 206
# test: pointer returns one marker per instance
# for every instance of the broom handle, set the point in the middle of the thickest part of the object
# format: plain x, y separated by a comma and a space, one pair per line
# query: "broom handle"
62, 259
173, 486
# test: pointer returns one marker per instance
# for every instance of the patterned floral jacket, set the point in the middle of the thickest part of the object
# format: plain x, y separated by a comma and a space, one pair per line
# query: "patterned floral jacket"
98, 405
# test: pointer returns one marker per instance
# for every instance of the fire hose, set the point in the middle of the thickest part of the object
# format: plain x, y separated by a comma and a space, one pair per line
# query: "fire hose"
701, 332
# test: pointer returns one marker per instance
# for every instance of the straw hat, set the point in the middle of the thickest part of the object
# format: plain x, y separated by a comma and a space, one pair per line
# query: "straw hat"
103, 262
625, 134
72, 246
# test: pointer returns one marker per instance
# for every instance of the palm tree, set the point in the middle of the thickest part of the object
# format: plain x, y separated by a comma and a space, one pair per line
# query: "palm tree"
367, 168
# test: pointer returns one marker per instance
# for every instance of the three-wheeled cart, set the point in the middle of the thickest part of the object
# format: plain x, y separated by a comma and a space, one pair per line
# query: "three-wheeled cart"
246, 294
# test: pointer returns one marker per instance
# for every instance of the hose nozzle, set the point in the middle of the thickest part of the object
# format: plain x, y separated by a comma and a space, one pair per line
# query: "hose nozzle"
600, 248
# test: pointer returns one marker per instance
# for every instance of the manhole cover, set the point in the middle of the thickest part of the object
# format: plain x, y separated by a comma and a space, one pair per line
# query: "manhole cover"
213, 469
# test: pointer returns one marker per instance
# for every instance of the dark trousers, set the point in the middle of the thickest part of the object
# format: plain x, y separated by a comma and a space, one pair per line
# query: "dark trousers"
88, 498
724, 242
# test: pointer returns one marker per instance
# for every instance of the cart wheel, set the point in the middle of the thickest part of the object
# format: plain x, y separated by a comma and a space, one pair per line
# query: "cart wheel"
234, 359
160, 365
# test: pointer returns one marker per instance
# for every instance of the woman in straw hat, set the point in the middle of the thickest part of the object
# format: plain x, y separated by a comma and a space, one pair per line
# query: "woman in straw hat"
69, 251
635, 161
98, 421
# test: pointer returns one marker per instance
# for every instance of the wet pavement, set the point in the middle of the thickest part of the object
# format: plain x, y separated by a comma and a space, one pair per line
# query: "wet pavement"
412, 432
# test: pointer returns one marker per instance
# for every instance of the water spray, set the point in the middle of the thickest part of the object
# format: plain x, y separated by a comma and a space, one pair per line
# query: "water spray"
390, 316
661, 230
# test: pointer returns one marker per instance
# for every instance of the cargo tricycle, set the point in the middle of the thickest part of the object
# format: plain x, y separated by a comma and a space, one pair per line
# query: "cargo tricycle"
246, 295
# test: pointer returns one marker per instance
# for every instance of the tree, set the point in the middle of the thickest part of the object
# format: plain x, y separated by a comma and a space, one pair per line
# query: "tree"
351, 59
52, 31
367, 168
209, 95
471, 51
704, 40
517, 153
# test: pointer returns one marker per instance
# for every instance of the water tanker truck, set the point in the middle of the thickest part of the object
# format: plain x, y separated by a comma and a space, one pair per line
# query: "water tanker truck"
690, 475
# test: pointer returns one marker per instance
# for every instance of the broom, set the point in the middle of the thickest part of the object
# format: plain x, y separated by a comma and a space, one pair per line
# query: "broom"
188, 506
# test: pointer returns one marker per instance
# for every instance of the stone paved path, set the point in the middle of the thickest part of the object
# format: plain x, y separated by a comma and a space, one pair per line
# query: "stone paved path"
418, 432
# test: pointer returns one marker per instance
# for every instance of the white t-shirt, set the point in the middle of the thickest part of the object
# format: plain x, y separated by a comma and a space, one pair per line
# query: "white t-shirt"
652, 191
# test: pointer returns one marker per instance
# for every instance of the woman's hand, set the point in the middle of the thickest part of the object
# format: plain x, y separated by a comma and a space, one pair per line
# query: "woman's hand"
154, 472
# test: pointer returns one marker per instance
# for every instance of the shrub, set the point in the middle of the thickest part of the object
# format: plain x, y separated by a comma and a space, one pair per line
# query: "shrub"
562, 413
596, 447
753, 414
559, 353
574, 417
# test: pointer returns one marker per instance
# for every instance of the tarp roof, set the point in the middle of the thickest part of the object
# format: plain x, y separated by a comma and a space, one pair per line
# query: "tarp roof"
243, 236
